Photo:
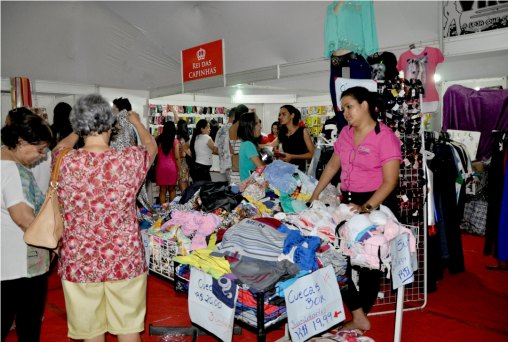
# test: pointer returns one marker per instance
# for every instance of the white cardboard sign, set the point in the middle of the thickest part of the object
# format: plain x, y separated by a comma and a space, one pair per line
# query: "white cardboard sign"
212, 312
402, 266
342, 84
314, 304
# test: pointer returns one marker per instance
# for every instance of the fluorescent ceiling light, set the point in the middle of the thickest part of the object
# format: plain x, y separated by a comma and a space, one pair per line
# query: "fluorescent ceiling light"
282, 98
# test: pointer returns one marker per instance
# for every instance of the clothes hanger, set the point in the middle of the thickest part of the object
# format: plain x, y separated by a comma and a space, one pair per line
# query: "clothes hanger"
416, 48
444, 137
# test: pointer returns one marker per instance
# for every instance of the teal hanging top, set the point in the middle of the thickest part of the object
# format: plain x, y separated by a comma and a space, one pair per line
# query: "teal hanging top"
352, 28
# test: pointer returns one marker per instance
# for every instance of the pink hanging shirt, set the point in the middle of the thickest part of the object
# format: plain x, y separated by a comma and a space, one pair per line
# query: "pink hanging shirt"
422, 67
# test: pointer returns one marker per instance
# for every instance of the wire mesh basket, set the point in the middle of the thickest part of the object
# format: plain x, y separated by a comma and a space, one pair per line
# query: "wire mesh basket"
162, 250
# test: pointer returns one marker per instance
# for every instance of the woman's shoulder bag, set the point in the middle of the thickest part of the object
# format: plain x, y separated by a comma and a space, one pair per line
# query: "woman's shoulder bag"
46, 229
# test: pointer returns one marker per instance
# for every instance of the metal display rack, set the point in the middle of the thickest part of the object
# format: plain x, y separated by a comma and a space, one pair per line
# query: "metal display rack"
406, 120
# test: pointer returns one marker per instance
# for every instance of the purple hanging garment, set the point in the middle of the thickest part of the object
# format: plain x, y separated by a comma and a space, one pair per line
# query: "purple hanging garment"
476, 110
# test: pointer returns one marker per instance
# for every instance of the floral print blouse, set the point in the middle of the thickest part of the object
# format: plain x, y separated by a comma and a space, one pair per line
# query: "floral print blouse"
101, 240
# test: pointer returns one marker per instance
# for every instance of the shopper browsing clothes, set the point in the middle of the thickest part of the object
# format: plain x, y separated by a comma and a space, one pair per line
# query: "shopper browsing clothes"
274, 132
222, 142
296, 142
202, 147
124, 136
184, 153
25, 139
102, 263
168, 162
234, 144
249, 130
369, 154
61, 126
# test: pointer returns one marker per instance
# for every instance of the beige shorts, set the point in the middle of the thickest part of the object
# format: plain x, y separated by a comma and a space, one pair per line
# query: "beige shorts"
117, 307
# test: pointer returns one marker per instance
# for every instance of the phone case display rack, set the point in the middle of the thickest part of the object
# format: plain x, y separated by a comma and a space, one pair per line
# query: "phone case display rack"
315, 117
405, 119
158, 114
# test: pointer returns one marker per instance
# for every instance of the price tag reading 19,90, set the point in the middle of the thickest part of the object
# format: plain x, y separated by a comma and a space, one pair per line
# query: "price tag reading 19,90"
313, 304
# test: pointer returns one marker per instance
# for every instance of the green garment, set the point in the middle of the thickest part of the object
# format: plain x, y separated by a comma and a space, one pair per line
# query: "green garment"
352, 28
247, 151
37, 258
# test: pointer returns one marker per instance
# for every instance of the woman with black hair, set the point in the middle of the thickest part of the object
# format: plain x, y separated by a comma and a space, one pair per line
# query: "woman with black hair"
296, 141
184, 153
168, 162
214, 128
249, 130
274, 131
124, 133
202, 147
61, 126
122, 103
369, 154
234, 144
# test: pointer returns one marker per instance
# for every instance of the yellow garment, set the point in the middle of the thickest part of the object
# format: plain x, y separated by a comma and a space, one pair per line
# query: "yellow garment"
261, 207
304, 197
200, 258
157, 224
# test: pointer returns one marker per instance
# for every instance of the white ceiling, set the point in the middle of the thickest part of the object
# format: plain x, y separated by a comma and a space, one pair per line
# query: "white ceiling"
137, 44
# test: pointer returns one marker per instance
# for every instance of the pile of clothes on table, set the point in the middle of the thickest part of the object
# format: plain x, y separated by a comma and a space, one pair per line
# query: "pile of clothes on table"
263, 234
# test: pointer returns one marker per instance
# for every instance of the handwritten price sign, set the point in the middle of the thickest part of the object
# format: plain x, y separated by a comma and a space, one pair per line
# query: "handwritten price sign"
313, 304
212, 303
403, 263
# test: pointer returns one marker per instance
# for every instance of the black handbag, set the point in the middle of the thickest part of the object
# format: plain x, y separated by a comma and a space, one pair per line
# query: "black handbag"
151, 171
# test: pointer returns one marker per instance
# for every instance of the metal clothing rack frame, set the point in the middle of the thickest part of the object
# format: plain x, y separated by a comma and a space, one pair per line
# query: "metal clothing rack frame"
195, 330
261, 326
413, 215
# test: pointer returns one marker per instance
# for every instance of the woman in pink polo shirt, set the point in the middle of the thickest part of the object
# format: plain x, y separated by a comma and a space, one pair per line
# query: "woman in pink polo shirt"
369, 154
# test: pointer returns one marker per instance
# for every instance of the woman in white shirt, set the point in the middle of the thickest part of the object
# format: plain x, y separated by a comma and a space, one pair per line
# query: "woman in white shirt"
24, 268
202, 147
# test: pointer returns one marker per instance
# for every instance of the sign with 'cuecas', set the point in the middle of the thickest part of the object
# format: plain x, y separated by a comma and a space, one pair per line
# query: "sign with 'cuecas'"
313, 304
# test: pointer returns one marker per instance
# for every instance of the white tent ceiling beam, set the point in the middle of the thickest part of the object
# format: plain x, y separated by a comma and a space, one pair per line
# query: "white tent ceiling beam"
54, 88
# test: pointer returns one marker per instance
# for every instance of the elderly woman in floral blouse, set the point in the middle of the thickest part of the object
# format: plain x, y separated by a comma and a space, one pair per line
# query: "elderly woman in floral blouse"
102, 262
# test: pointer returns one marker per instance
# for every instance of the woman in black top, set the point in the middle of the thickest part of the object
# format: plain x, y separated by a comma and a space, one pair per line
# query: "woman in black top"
296, 141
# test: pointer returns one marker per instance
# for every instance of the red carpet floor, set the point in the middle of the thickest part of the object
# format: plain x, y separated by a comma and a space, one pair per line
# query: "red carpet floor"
470, 306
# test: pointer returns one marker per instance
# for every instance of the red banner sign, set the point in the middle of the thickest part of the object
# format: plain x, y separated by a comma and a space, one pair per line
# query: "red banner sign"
203, 61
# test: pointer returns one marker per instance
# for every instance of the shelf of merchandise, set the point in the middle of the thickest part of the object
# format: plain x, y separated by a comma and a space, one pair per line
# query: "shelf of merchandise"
315, 117
158, 114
